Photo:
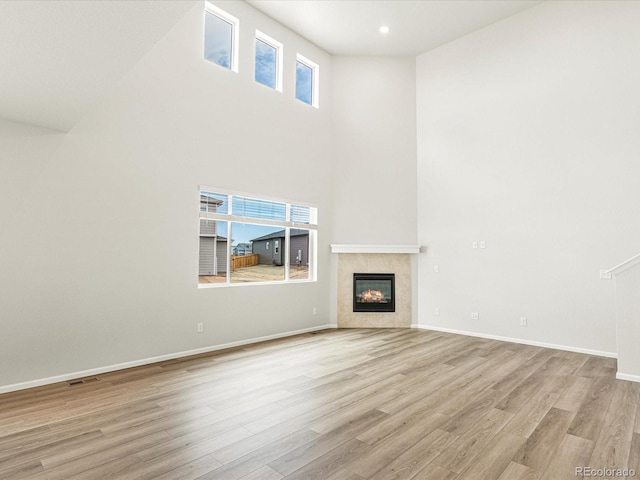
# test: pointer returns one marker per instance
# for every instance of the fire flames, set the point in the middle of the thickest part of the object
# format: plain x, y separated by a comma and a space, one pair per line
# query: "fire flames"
372, 296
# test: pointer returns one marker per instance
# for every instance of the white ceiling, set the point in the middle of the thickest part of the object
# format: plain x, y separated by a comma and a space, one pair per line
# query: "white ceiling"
59, 59
350, 27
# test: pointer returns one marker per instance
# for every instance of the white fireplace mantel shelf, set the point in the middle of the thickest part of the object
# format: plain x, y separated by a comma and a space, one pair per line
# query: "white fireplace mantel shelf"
409, 249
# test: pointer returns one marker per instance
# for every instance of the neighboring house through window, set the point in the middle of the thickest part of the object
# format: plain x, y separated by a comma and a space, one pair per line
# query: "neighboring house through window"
244, 239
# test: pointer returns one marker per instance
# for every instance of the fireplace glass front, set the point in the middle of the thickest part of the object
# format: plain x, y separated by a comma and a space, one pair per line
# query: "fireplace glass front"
374, 292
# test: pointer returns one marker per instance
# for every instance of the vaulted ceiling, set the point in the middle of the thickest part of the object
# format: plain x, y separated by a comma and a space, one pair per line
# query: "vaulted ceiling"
59, 59
350, 27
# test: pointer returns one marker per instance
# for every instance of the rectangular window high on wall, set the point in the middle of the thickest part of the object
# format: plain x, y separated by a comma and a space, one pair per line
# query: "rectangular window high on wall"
268, 64
247, 239
220, 37
307, 81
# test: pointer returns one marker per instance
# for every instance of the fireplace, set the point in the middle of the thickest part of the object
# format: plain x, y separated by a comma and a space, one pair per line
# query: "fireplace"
374, 292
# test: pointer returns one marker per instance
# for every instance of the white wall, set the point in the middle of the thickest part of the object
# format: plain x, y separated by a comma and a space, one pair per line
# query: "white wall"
527, 139
374, 150
374, 156
25, 155
99, 266
24, 152
628, 323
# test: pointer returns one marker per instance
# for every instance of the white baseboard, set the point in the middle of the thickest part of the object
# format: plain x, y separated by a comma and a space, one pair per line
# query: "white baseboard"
628, 377
146, 361
588, 351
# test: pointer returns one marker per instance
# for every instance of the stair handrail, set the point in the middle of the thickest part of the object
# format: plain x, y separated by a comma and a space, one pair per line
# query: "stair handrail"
626, 265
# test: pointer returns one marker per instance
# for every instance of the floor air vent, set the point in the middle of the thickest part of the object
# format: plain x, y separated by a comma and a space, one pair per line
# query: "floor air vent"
81, 381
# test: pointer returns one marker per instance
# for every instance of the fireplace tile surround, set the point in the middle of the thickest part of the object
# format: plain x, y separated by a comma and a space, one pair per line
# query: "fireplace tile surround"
397, 263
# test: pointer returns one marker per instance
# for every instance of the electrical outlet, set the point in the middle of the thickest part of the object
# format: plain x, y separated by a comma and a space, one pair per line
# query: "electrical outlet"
436, 311
475, 316
523, 321
475, 244
483, 244
436, 268
315, 311
200, 327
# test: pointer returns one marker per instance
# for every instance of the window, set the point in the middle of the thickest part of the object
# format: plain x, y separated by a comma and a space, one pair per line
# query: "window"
246, 239
220, 37
307, 74
268, 66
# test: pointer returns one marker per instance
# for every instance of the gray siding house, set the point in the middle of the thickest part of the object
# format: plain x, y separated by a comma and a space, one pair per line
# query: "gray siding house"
242, 249
213, 255
213, 247
270, 248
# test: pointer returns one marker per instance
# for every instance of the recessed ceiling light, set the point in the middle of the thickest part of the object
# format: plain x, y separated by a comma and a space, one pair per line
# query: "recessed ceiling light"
384, 29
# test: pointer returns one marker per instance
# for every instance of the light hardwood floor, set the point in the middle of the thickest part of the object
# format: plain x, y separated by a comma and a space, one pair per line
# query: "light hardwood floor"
335, 405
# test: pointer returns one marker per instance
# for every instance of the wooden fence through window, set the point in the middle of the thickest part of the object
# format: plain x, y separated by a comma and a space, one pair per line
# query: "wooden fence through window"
243, 261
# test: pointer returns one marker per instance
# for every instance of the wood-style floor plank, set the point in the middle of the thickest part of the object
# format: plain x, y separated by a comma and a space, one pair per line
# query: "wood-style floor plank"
590, 418
195, 469
545, 439
331, 461
613, 446
353, 404
304, 454
634, 453
343, 474
393, 445
463, 452
434, 473
573, 453
572, 398
263, 473
527, 419
517, 471
262, 456
494, 458
407, 464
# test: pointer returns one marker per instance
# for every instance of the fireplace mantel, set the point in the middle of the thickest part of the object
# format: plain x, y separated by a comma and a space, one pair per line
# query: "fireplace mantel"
408, 249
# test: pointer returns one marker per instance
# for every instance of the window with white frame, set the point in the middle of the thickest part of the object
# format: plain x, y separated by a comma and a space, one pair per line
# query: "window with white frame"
245, 239
220, 37
268, 61
307, 81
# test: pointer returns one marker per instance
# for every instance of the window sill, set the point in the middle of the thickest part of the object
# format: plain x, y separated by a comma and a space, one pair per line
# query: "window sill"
205, 286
